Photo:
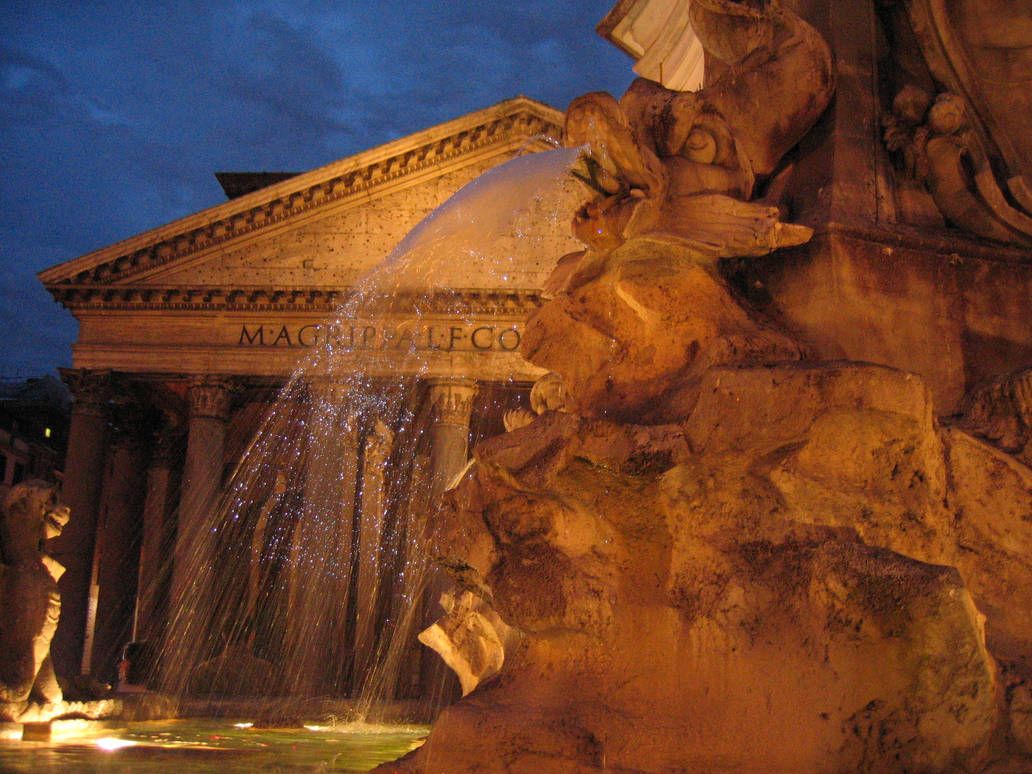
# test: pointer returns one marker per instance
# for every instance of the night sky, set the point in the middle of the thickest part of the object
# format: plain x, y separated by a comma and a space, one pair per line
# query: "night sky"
115, 115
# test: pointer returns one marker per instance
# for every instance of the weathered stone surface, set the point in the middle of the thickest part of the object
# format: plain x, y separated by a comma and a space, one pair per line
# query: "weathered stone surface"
29, 599
990, 497
795, 578
471, 638
634, 340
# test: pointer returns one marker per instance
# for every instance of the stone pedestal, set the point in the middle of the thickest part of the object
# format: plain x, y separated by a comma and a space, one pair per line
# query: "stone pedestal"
84, 470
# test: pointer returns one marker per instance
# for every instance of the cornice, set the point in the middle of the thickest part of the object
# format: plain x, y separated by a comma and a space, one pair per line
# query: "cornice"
515, 120
85, 297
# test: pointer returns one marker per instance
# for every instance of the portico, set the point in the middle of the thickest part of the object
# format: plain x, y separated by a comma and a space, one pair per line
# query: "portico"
188, 331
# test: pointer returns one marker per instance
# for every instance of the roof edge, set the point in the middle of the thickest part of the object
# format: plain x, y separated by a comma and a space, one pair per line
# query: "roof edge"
255, 210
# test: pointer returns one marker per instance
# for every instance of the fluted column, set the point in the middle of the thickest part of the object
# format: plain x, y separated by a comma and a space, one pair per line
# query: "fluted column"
118, 542
83, 478
210, 400
451, 401
158, 532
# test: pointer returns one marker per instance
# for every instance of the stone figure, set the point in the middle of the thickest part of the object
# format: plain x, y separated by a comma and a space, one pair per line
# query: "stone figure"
29, 598
547, 394
958, 120
1000, 411
670, 163
643, 311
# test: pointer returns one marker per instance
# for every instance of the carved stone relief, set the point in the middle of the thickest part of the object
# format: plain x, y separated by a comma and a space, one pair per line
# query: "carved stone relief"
957, 120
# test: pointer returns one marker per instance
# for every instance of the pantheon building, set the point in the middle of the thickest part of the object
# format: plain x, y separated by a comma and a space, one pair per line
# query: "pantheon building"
188, 332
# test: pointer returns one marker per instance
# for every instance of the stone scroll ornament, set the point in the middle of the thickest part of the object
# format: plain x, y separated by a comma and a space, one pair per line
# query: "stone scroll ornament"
29, 600
958, 121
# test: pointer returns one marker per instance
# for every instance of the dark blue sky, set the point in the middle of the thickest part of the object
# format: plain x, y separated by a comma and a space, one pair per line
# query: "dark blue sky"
115, 115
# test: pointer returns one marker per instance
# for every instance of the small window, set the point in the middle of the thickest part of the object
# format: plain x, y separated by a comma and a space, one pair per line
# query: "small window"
47, 432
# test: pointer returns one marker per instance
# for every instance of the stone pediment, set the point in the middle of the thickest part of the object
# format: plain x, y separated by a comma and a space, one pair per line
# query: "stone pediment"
306, 240
248, 287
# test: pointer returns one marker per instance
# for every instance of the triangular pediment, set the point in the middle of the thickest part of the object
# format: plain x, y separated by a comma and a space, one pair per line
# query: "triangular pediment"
320, 231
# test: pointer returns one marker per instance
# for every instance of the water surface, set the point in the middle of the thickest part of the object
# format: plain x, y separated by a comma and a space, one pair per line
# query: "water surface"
222, 746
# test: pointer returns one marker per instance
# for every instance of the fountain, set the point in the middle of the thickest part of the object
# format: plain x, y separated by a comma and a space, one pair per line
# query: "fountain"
713, 541
722, 552
302, 602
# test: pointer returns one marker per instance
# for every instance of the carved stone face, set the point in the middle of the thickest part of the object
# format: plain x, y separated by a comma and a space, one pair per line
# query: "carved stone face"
32, 514
653, 152
632, 341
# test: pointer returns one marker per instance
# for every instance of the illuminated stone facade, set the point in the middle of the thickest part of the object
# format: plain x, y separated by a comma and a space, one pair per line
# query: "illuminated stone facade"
187, 331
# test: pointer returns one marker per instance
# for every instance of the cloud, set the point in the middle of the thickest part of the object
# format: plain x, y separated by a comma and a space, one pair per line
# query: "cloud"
115, 114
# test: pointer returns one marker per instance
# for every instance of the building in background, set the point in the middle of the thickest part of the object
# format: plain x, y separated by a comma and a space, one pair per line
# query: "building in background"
187, 332
34, 416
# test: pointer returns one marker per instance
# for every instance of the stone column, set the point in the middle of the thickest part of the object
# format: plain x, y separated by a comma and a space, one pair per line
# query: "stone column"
372, 565
210, 400
83, 476
452, 402
158, 533
322, 605
452, 407
118, 543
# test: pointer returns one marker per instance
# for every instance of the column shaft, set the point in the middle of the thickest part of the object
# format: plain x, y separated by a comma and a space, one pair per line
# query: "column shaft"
118, 552
156, 541
372, 565
84, 470
321, 622
452, 402
194, 560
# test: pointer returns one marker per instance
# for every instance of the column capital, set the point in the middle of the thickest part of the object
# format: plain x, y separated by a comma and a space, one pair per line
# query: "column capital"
212, 397
452, 400
92, 390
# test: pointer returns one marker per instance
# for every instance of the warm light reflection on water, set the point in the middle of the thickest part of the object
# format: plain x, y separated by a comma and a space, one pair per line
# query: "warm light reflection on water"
222, 746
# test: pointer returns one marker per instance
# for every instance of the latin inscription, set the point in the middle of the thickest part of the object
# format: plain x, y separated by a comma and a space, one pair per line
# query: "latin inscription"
357, 336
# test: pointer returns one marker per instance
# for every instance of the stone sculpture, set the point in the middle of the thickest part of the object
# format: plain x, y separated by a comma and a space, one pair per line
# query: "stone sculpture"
644, 305
29, 598
957, 122
722, 555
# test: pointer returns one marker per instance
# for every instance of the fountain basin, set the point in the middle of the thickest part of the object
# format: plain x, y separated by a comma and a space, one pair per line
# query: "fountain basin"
205, 745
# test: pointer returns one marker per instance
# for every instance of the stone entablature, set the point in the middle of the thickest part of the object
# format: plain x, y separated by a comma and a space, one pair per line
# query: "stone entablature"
199, 298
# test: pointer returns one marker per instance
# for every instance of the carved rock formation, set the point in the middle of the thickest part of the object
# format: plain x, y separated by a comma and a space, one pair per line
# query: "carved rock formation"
782, 587
634, 340
471, 638
29, 598
722, 556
